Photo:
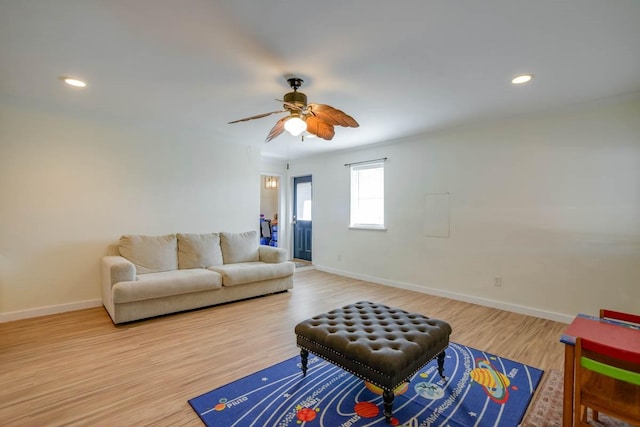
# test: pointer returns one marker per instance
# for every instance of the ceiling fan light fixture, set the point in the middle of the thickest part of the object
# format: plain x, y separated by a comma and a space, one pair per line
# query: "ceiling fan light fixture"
317, 119
295, 125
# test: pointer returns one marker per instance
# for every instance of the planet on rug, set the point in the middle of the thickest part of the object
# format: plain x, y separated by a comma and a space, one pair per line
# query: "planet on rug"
480, 389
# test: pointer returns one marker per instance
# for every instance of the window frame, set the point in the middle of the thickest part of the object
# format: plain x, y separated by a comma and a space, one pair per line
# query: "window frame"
354, 198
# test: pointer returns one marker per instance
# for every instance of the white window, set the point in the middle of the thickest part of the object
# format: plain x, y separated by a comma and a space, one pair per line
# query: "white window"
303, 201
367, 195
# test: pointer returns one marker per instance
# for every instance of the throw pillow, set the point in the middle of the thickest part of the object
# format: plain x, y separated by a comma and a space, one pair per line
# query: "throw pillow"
240, 247
150, 254
199, 250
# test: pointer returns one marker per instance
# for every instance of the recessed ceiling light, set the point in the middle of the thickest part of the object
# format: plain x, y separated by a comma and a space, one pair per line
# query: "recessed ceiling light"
73, 82
524, 78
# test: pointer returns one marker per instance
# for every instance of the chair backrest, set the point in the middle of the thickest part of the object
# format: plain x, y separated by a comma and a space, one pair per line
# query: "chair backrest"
619, 315
612, 362
265, 228
607, 379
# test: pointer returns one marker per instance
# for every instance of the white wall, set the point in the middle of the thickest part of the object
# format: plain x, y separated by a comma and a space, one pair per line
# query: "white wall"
70, 187
551, 204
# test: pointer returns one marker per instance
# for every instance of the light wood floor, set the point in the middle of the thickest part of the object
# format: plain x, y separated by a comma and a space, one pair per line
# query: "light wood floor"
79, 369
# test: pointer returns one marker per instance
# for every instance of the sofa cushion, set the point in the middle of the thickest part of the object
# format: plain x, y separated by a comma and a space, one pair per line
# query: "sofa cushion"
199, 250
249, 272
166, 284
150, 254
239, 247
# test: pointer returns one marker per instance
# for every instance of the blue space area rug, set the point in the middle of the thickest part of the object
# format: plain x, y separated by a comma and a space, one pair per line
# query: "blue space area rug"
480, 389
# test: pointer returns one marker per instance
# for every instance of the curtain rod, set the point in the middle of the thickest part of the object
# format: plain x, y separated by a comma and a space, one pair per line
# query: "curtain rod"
365, 161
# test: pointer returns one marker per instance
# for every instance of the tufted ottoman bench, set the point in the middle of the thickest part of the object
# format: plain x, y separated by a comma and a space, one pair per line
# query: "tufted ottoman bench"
382, 345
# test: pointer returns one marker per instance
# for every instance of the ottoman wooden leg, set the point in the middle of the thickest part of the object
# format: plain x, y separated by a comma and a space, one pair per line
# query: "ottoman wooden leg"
387, 397
441, 364
304, 356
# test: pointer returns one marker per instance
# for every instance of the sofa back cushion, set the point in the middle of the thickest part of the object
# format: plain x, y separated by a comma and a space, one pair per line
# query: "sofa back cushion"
199, 250
240, 247
150, 254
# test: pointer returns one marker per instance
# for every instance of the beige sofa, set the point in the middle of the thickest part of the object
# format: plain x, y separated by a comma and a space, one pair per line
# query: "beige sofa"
156, 275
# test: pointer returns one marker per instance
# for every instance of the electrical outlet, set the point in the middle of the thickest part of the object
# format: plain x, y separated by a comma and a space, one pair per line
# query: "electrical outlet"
339, 256
497, 281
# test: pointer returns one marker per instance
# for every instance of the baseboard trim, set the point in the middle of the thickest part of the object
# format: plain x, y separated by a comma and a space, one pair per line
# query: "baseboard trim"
52, 309
515, 308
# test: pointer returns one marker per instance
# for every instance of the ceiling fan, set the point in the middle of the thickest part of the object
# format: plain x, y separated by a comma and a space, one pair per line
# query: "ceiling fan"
316, 119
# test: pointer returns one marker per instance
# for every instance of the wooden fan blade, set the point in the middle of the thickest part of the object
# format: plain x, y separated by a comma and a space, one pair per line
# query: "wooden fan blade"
320, 128
290, 105
259, 116
277, 129
332, 116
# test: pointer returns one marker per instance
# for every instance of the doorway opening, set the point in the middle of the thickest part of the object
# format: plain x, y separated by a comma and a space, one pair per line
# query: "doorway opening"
270, 187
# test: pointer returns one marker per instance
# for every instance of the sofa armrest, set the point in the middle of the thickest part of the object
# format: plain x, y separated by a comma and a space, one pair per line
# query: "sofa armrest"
271, 254
117, 269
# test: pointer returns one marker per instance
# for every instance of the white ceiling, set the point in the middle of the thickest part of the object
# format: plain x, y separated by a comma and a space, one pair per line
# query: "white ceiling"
399, 68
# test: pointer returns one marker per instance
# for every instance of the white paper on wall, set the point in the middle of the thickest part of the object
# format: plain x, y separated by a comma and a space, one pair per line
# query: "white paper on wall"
436, 221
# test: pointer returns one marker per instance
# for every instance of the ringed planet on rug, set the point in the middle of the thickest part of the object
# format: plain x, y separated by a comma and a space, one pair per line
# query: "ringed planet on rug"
480, 389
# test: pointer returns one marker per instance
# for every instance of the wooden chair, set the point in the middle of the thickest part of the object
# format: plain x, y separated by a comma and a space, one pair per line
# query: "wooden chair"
616, 315
606, 380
